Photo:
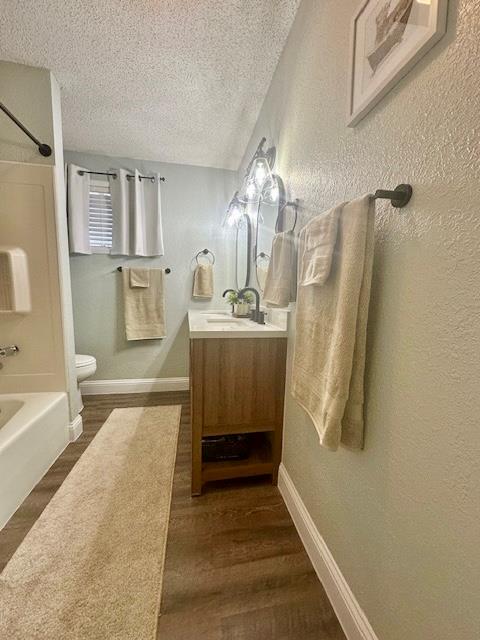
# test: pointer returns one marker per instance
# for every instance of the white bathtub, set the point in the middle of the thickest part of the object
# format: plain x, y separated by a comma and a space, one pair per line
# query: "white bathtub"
33, 433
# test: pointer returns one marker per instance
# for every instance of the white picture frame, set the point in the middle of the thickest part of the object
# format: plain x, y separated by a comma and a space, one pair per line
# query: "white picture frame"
388, 38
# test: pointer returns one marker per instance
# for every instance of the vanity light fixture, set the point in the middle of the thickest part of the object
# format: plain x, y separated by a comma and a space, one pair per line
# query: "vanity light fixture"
271, 191
258, 175
234, 211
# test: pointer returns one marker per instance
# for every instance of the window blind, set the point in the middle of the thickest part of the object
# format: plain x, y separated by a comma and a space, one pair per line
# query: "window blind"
100, 220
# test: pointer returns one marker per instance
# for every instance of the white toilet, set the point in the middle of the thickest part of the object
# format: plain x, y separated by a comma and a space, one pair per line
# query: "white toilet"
85, 366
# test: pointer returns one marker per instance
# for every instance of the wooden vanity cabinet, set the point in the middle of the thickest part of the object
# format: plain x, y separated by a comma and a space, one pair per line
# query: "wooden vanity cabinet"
237, 386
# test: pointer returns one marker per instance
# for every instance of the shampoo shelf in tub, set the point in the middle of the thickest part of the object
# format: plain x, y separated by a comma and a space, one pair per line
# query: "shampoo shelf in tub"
14, 281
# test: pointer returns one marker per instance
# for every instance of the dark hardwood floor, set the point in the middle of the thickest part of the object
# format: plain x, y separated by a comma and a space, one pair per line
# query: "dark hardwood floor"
235, 566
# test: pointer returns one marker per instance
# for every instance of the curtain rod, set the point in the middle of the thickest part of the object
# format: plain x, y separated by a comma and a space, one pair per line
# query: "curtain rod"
114, 175
44, 149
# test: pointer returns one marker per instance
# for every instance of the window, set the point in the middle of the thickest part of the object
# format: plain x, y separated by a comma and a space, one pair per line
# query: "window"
100, 221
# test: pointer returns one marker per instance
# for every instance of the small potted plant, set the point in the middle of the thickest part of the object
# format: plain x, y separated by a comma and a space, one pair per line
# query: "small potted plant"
240, 305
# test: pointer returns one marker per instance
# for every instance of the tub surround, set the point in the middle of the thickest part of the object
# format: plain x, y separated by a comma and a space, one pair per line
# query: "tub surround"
27, 201
33, 214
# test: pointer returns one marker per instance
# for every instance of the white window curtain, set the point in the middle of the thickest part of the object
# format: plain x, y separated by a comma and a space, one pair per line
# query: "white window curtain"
137, 215
78, 197
120, 212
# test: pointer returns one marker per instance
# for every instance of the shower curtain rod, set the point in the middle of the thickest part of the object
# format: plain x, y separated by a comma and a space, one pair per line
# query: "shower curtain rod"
44, 149
399, 197
114, 175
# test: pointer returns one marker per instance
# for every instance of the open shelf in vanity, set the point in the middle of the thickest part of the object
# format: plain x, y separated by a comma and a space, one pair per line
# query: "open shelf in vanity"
260, 462
237, 386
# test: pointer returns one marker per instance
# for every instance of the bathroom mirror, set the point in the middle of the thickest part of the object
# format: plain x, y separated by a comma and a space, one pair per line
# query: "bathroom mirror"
243, 247
272, 217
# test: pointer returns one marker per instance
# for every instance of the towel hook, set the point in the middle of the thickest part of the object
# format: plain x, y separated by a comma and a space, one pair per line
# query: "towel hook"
205, 252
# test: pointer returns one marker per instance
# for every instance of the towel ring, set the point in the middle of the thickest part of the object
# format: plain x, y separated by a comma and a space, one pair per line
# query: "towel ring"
294, 205
205, 252
262, 255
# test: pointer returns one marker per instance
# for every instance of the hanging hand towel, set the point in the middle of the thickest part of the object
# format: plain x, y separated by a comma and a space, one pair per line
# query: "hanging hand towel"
144, 307
281, 281
203, 281
78, 198
139, 278
335, 270
262, 276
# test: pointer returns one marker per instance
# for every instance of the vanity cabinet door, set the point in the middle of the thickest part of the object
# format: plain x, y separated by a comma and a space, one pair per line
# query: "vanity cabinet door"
244, 382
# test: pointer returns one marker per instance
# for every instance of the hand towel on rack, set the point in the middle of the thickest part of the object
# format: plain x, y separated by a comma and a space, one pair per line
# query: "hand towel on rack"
335, 270
144, 307
281, 282
262, 276
139, 278
203, 281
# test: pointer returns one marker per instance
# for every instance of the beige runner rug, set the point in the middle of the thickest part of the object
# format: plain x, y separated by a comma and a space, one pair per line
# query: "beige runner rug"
91, 567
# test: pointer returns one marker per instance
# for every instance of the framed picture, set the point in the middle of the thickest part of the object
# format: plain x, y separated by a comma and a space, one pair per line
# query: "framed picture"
388, 38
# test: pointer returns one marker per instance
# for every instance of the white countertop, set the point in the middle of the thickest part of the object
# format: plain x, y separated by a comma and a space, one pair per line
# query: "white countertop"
221, 324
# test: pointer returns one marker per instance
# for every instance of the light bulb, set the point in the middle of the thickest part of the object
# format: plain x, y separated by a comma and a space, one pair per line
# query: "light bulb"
260, 173
235, 215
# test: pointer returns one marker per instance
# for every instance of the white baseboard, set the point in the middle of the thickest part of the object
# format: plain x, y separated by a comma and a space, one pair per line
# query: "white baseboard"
75, 428
353, 620
131, 385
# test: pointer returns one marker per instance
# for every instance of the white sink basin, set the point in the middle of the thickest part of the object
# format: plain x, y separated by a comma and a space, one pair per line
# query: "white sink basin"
215, 324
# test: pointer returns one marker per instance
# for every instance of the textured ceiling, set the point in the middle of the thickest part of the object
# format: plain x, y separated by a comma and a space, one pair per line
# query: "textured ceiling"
170, 80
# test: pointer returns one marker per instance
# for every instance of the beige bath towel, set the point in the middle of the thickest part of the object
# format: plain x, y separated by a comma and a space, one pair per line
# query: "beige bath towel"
335, 270
140, 278
144, 307
203, 281
281, 281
